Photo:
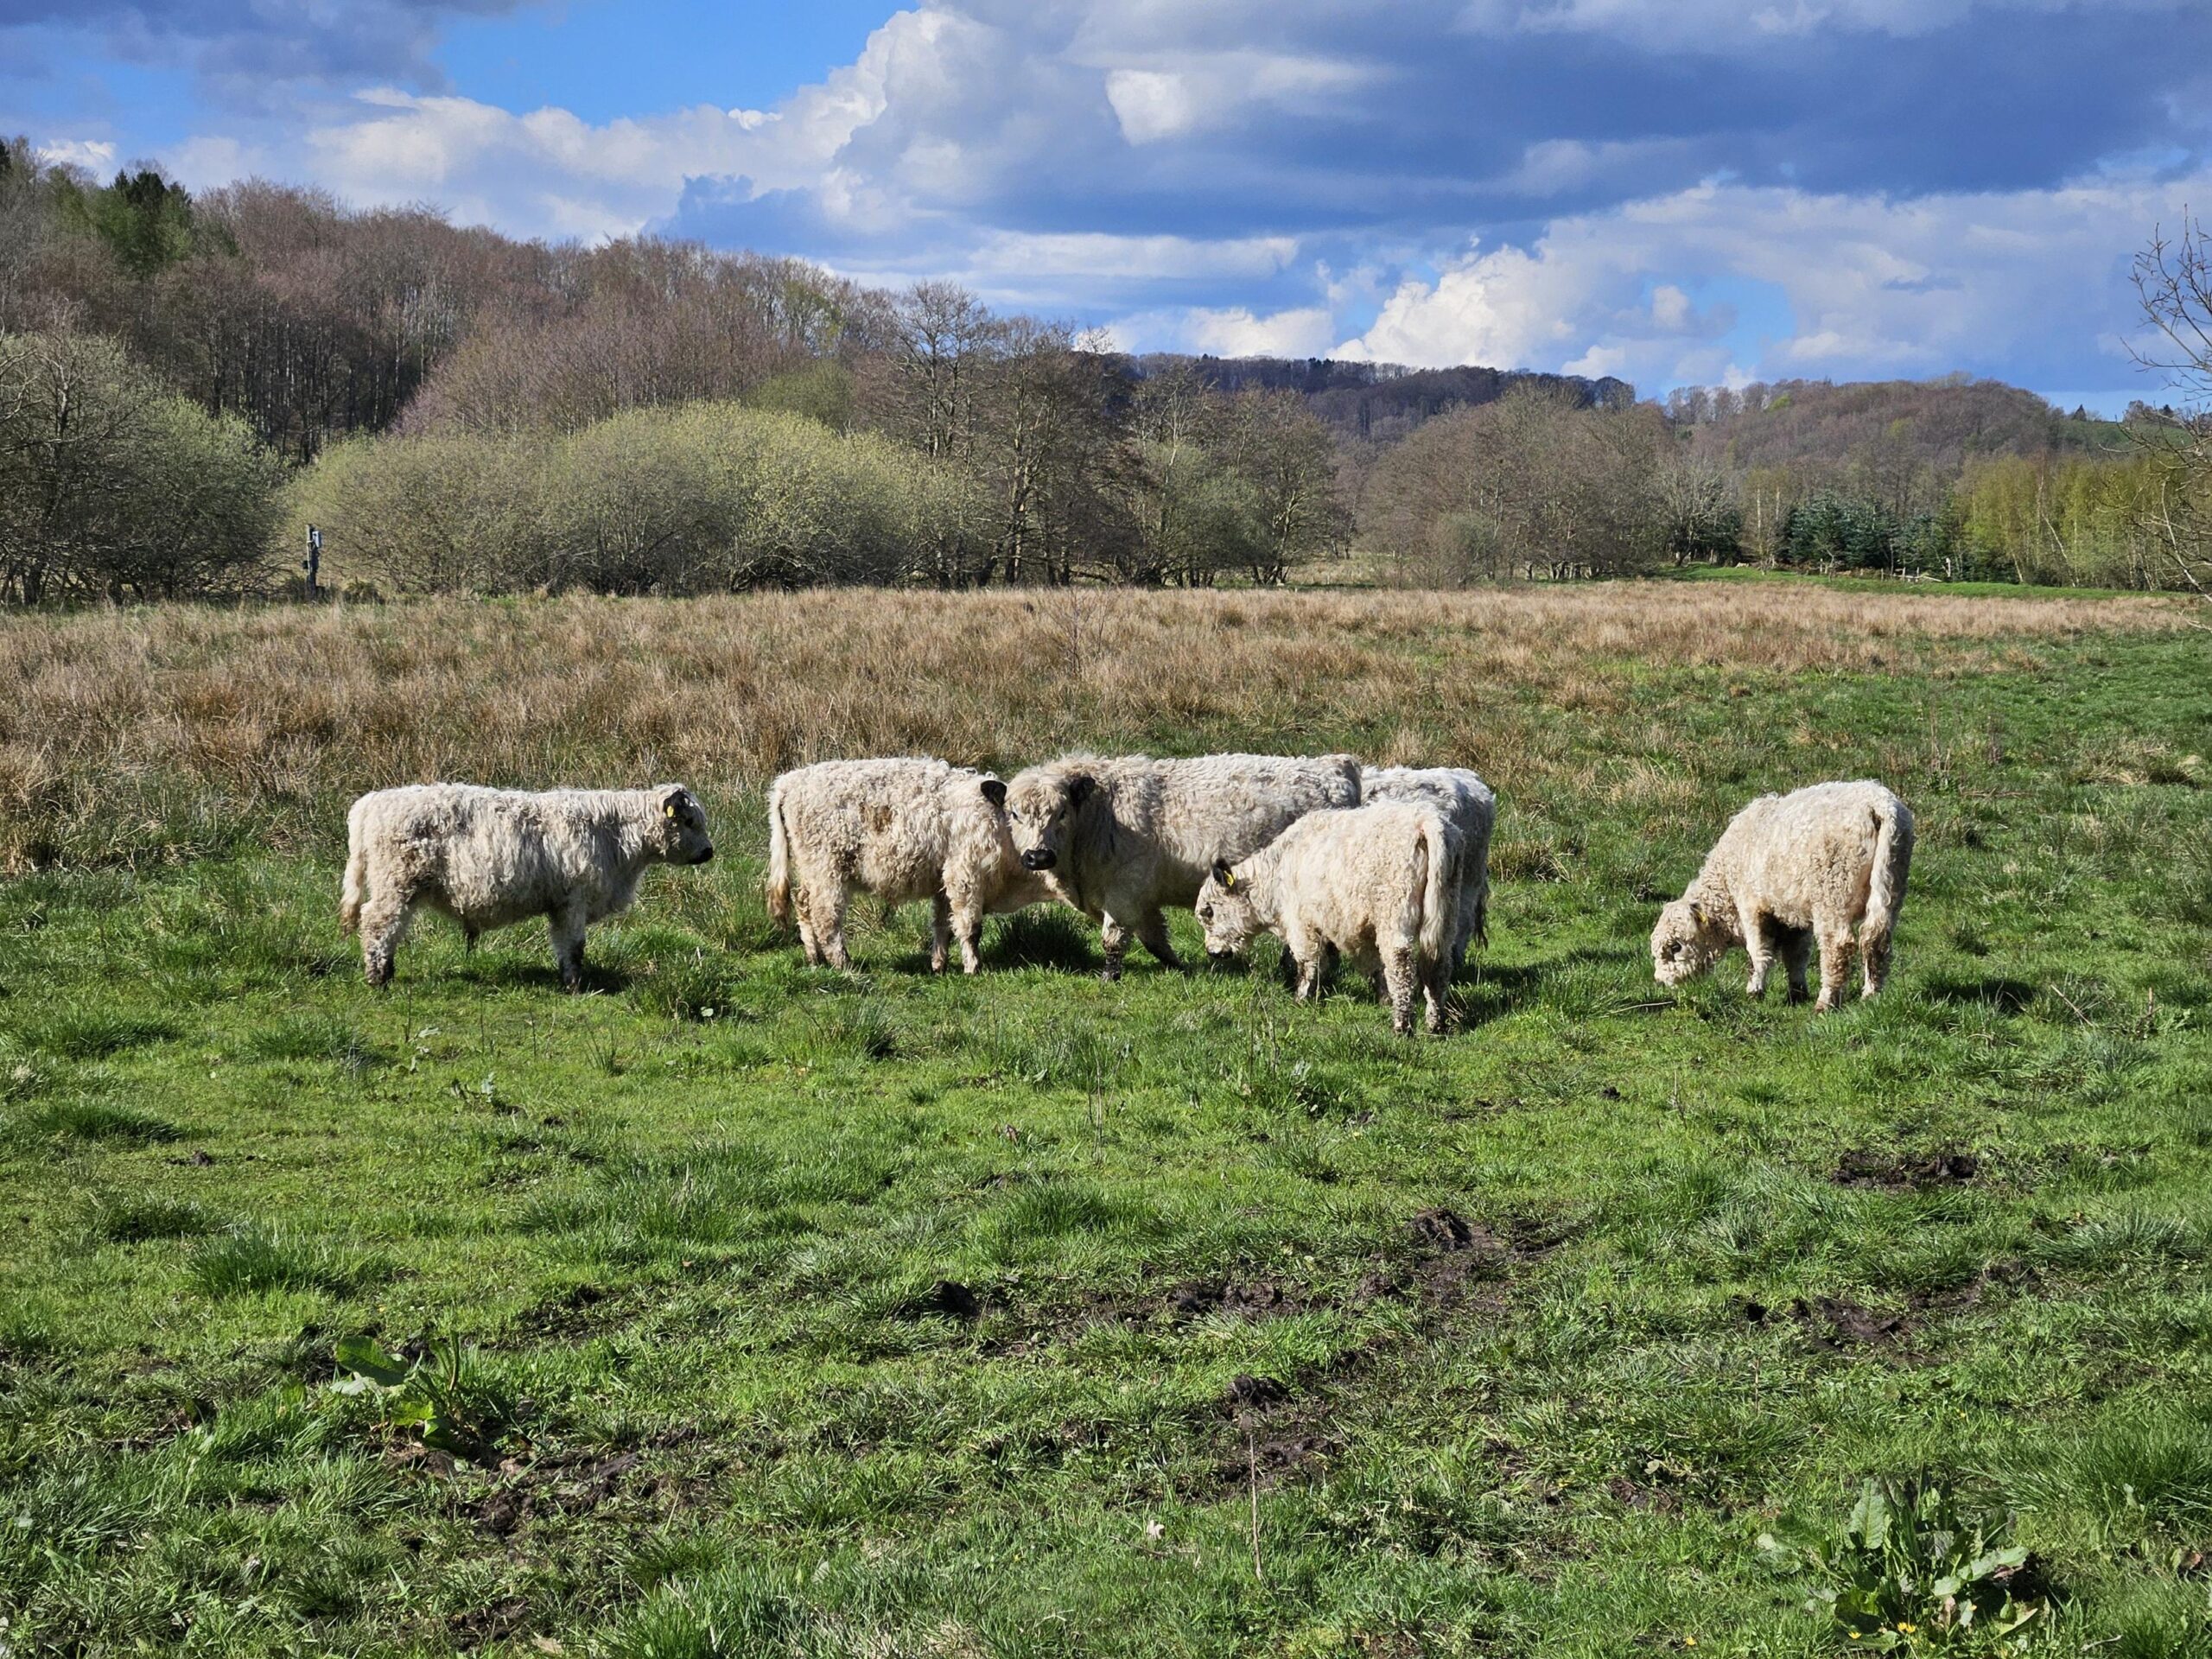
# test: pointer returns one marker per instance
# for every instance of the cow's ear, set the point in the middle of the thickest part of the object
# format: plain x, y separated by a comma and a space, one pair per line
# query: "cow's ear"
994, 791
672, 803
1697, 913
1223, 875
1081, 788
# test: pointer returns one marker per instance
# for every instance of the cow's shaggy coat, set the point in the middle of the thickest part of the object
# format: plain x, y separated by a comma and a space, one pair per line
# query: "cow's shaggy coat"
1379, 885
1121, 838
901, 829
491, 857
1469, 807
1790, 871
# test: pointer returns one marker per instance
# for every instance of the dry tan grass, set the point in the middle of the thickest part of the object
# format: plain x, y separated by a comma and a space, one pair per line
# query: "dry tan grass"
125, 735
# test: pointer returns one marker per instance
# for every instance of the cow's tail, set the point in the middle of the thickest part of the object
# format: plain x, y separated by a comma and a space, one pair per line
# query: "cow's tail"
777, 889
1892, 860
354, 893
1475, 851
1439, 889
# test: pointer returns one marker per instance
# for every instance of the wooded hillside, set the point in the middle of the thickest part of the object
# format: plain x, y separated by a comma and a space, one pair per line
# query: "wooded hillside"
186, 383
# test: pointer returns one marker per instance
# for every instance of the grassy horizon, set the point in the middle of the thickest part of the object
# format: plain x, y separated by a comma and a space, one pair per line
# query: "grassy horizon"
802, 1313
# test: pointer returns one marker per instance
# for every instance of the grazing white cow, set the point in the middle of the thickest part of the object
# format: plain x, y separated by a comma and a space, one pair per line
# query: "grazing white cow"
491, 857
1121, 838
1791, 870
903, 830
1468, 806
1377, 883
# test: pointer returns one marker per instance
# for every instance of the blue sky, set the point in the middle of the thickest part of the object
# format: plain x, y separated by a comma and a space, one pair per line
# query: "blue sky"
1675, 191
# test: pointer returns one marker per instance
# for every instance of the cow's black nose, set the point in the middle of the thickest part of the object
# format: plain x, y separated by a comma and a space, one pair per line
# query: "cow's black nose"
704, 856
1217, 957
1038, 858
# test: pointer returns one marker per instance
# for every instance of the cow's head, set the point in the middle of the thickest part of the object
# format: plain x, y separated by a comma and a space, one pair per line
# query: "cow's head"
681, 825
1041, 805
1226, 911
1687, 941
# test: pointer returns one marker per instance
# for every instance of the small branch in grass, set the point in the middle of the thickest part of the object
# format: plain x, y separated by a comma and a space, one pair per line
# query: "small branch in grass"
2072, 1004
1252, 1462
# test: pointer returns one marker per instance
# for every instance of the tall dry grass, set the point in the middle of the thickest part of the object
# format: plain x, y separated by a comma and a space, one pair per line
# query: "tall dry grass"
131, 736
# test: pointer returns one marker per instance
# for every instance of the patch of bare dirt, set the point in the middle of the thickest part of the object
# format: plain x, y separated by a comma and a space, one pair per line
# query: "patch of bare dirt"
1281, 1428
1837, 1323
1897, 1171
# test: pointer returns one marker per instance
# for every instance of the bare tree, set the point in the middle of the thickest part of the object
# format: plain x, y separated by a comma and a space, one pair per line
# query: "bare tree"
1280, 446
2174, 281
1699, 520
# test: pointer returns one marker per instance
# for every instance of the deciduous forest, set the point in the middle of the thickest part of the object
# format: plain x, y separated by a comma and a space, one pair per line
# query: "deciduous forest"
187, 383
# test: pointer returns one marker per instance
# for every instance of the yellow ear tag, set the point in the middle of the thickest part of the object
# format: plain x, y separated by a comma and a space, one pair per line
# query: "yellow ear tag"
1228, 881
668, 811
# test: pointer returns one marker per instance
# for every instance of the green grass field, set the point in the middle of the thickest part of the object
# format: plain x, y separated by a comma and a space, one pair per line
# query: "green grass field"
773, 1311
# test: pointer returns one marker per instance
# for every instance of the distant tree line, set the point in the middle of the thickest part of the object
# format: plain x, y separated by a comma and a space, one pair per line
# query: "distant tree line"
1952, 478
187, 383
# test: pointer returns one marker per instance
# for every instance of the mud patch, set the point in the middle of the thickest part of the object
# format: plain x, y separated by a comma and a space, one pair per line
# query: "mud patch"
1900, 1171
1248, 1392
1450, 1257
945, 1299
1282, 1429
1905, 1172
1278, 1433
1837, 1324
1263, 1298
1989, 1282
1657, 1496
491, 1622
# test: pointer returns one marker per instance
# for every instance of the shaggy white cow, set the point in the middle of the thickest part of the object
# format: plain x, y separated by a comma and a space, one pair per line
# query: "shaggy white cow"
1790, 871
902, 830
1120, 838
1377, 883
1468, 806
491, 857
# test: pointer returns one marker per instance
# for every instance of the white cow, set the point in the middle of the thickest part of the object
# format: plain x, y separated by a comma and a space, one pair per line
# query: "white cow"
1377, 883
1468, 806
1790, 871
1121, 838
491, 857
902, 830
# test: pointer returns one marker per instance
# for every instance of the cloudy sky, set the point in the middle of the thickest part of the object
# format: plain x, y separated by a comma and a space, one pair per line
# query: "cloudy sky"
1674, 191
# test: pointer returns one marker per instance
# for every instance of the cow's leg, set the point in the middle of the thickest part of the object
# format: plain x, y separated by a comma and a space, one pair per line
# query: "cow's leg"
1435, 981
1757, 946
1402, 980
384, 924
1114, 939
1152, 930
830, 925
566, 925
1874, 956
1835, 961
967, 927
940, 933
802, 913
1796, 953
1312, 973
